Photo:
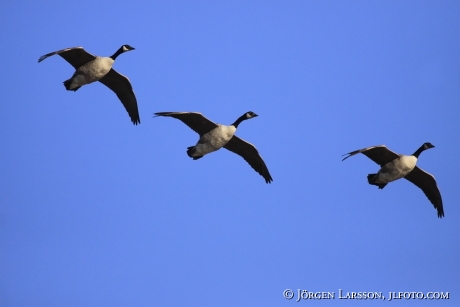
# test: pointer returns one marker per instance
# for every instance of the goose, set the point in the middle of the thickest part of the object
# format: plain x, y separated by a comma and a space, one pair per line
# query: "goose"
215, 136
394, 166
90, 68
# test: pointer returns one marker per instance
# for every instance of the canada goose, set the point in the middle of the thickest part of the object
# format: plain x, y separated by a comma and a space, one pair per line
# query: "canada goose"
90, 68
394, 166
215, 136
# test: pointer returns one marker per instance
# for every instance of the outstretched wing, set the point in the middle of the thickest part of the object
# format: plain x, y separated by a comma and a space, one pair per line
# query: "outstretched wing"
379, 154
75, 56
196, 121
427, 183
251, 155
122, 87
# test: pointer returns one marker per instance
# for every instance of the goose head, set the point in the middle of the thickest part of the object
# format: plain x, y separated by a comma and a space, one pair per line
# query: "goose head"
425, 146
126, 48
245, 116
250, 115
122, 49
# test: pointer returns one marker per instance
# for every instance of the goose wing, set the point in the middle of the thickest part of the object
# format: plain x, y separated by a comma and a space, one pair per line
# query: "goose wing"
122, 87
251, 155
427, 183
196, 121
379, 154
75, 56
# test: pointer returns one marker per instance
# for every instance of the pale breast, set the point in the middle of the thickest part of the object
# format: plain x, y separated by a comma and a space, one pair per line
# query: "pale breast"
215, 139
397, 169
95, 70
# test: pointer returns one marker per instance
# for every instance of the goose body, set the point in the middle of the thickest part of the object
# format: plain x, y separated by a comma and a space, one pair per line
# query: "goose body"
396, 169
89, 73
90, 68
212, 141
215, 136
394, 166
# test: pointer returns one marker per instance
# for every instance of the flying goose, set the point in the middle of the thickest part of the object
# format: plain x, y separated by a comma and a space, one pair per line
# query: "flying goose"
215, 136
90, 68
394, 166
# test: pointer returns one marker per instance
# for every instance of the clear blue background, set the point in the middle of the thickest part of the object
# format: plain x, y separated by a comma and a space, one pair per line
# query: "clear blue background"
95, 211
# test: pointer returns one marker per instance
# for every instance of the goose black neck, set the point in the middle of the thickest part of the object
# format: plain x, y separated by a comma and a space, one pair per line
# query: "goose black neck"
119, 51
239, 120
419, 151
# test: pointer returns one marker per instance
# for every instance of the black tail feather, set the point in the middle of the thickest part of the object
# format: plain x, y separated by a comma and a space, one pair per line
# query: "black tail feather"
371, 180
190, 151
67, 85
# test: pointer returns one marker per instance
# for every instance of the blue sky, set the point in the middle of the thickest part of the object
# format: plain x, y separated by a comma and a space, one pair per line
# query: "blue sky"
95, 211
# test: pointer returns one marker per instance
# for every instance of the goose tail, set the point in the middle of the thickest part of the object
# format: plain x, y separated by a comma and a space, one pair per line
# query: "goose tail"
371, 179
